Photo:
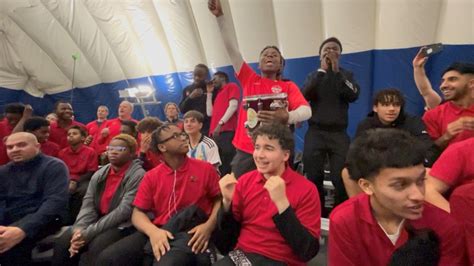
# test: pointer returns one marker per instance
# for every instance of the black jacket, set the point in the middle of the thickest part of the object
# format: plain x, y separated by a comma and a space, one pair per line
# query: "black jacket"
412, 124
33, 193
329, 95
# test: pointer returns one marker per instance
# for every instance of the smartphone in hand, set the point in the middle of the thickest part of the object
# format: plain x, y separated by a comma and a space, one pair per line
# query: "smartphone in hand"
431, 49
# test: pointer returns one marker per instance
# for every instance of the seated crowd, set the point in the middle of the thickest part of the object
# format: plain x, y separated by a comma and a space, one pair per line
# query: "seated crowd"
219, 179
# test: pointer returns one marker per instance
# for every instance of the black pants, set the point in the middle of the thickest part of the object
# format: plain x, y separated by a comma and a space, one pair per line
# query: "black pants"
21, 253
255, 259
226, 150
75, 201
94, 253
130, 251
242, 163
320, 145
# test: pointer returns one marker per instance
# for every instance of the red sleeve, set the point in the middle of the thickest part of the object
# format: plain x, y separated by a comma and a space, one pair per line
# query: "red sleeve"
93, 161
295, 97
309, 212
432, 125
144, 197
341, 249
462, 199
3, 154
234, 91
246, 75
450, 165
453, 246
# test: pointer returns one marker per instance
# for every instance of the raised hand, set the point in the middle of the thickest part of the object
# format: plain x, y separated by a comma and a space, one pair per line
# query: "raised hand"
215, 7
276, 188
420, 60
280, 115
227, 186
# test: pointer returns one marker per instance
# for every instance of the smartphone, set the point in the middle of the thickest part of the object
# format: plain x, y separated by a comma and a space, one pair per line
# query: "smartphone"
431, 49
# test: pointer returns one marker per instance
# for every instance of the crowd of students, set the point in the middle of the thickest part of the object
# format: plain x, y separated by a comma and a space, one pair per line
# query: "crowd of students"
216, 177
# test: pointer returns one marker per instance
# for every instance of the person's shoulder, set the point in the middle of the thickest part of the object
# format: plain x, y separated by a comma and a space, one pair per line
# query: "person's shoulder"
51, 161
210, 143
51, 144
466, 144
346, 211
248, 178
77, 123
88, 149
437, 219
63, 151
438, 109
232, 85
91, 124
199, 164
302, 181
345, 71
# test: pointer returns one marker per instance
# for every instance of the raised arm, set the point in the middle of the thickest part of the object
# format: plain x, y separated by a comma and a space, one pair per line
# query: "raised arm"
432, 99
228, 34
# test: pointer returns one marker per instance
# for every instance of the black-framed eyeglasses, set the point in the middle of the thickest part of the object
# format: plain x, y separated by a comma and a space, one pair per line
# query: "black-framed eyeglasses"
175, 135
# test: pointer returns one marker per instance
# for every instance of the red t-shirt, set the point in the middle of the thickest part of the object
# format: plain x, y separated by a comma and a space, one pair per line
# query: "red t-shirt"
112, 182
195, 183
253, 84
437, 120
58, 134
462, 204
254, 209
356, 238
5, 131
221, 103
50, 148
93, 129
455, 166
79, 162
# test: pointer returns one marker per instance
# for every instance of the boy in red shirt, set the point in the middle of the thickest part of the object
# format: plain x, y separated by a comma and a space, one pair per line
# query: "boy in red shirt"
169, 193
39, 127
82, 162
368, 228
145, 127
58, 129
274, 211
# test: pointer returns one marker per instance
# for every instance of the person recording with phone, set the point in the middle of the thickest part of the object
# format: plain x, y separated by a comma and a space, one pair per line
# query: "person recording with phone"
430, 96
329, 90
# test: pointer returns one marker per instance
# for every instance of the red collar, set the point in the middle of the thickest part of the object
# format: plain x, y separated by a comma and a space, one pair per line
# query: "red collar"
287, 176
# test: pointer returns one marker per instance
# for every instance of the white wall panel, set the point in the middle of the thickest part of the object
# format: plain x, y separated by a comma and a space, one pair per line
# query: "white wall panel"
298, 26
178, 23
151, 36
126, 39
254, 23
209, 33
406, 23
40, 67
353, 22
456, 23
